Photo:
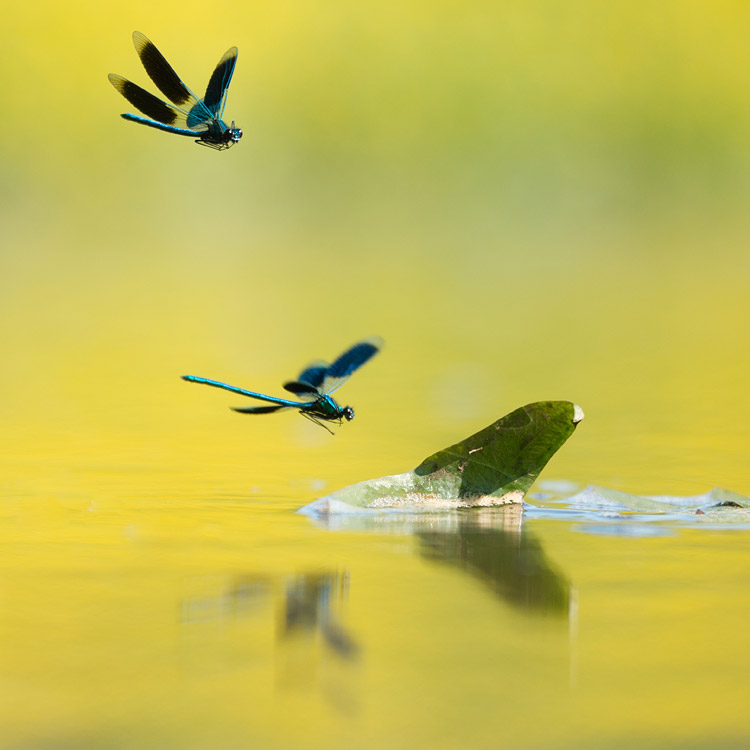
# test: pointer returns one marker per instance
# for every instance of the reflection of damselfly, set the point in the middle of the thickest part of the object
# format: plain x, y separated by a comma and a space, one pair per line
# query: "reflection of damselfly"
190, 116
314, 386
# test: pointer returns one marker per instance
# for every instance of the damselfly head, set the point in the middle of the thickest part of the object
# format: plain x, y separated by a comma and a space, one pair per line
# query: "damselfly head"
348, 413
234, 133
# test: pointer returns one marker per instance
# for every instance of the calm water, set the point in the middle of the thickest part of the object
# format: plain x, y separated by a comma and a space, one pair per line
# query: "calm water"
525, 204
202, 619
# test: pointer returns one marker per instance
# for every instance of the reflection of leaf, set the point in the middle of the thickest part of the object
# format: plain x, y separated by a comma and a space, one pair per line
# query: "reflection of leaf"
495, 466
489, 544
512, 563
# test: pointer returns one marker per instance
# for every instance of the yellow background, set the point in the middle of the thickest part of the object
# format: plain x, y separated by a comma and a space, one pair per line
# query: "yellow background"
526, 200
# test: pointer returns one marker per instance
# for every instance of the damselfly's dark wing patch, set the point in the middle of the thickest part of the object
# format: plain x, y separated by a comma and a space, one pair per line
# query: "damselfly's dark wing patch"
350, 361
301, 389
309, 380
259, 409
216, 91
155, 108
322, 378
314, 373
161, 72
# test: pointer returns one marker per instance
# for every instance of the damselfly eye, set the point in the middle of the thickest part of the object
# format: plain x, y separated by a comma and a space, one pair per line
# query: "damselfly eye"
348, 413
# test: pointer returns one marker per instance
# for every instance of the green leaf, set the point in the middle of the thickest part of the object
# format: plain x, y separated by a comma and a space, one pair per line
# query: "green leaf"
495, 466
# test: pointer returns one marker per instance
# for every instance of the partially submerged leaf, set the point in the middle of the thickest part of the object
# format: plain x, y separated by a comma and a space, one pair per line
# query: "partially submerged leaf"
495, 466
718, 505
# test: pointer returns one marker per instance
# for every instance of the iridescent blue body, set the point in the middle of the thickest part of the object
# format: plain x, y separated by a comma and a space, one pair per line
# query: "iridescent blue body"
187, 115
314, 386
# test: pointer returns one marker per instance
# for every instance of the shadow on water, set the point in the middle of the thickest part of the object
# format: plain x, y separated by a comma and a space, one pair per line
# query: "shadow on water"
308, 608
305, 614
309, 605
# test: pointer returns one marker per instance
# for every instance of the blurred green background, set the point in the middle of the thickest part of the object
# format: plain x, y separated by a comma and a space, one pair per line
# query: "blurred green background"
526, 200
